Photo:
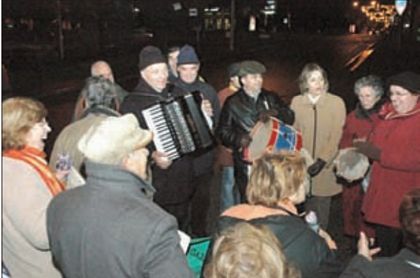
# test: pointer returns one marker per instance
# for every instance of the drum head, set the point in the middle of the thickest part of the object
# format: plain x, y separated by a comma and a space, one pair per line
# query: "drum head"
351, 165
260, 134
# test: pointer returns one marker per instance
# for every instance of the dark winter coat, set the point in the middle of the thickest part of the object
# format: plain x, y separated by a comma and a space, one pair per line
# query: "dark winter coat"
109, 228
173, 185
405, 264
204, 162
301, 245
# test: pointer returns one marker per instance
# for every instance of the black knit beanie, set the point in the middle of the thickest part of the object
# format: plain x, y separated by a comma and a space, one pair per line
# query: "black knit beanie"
150, 55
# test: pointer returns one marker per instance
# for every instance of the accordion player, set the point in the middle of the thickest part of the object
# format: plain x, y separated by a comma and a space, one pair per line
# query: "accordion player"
179, 125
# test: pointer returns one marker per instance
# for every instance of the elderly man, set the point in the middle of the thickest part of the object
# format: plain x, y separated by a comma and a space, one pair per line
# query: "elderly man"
240, 113
100, 101
188, 66
172, 179
110, 227
99, 68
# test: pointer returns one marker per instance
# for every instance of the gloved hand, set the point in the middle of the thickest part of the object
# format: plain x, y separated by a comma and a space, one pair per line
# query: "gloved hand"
317, 167
245, 140
266, 114
368, 149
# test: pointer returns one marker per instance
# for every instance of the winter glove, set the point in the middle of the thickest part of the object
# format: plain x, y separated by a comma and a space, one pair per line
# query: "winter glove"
265, 115
368, 149
245, 140
315, 168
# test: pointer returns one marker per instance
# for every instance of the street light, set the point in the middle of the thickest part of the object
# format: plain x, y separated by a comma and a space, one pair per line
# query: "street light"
355, 4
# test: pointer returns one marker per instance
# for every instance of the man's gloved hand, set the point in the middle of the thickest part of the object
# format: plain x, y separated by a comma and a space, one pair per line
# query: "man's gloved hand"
266, 114
368, 149
317, 167
245, 140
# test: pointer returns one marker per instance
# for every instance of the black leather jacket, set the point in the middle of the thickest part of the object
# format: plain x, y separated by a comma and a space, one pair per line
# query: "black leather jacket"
240, 113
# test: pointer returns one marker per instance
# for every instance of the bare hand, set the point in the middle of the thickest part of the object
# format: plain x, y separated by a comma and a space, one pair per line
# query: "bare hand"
207, 108
330, 242
161, 159
363, 247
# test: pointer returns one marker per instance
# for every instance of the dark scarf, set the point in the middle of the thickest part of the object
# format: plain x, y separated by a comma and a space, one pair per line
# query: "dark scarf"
364, 114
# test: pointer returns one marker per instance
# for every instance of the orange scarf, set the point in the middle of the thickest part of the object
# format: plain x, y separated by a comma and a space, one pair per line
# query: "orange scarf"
36, 159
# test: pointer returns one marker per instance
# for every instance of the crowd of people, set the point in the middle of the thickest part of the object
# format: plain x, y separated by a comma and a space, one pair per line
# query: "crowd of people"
111, 203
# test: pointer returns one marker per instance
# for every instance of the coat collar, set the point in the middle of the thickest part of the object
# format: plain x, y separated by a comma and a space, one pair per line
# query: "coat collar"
115, 178
321, 101
388, 112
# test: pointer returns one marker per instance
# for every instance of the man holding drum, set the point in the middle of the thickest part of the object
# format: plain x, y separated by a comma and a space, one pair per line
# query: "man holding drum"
241, 112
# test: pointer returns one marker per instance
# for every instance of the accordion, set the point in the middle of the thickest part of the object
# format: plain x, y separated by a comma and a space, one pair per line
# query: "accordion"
179, 125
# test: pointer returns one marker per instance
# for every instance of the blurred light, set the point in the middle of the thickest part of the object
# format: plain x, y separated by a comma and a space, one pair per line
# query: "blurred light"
355, 4
407, 25
136, 10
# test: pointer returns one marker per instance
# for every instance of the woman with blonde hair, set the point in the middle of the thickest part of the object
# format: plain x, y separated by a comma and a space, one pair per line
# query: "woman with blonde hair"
320, 116
275, 188
244, 251
28, 187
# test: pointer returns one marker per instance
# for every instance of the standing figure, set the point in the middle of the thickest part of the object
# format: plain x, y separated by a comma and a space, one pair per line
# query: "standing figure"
172, 179
28, 186
110, 227
188, 66
320, 116
228, 196
395, 151
359, 125
100, 102
275, 187
99, 68
241, 112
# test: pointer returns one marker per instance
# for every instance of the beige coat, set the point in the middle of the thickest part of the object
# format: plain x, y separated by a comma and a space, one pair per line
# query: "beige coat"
321, 125
26, 251
67, 140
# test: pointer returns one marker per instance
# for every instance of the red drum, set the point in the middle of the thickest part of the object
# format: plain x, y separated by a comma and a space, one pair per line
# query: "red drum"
272, 136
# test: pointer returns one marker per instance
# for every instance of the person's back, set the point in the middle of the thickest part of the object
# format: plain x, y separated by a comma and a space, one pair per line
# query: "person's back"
300, 244
110, 227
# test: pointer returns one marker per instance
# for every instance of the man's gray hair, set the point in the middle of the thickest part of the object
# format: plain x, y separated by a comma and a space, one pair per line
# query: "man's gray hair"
99, 91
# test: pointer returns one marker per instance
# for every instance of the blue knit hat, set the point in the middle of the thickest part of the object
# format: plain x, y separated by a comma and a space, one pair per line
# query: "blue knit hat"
187, 55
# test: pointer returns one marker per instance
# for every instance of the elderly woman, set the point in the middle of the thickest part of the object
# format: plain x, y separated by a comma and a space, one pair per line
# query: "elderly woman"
395, 150
320, 116
274, 189
28, 187
359, 125
244, 251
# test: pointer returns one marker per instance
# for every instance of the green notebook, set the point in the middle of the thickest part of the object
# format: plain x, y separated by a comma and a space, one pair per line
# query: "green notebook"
197, 253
